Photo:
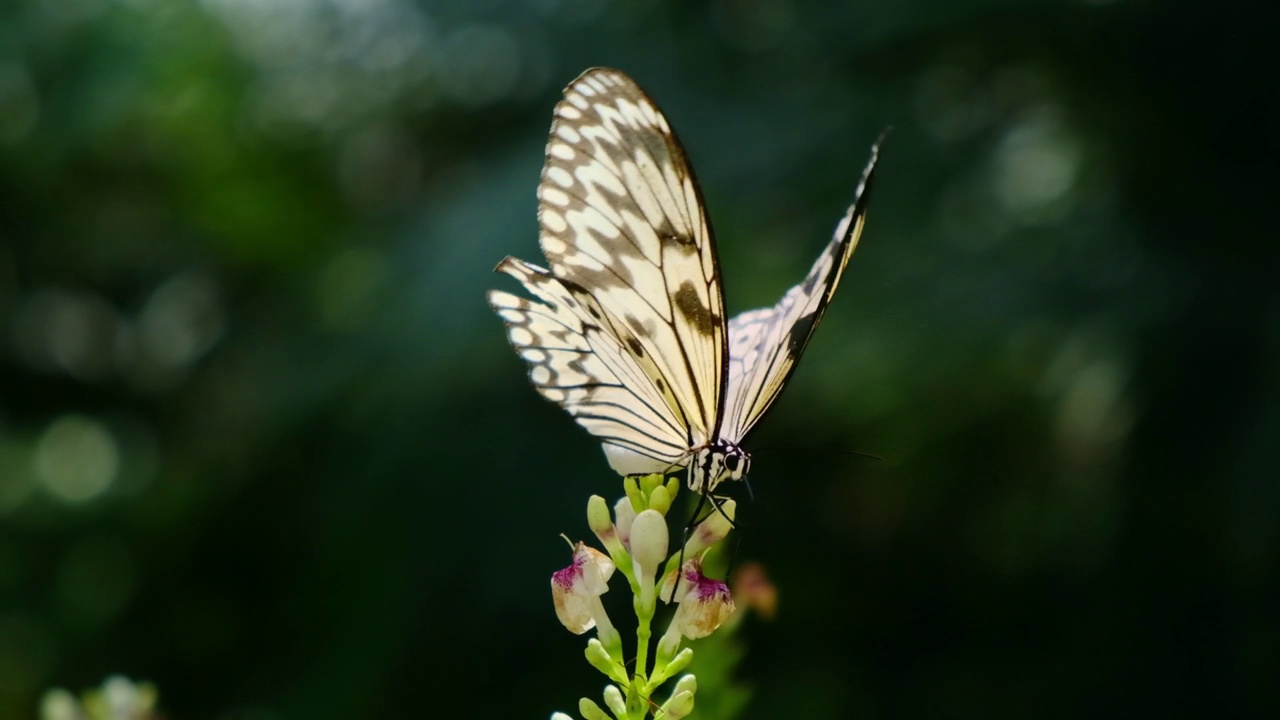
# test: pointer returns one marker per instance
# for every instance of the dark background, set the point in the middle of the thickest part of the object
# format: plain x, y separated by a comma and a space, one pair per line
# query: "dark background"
262, 443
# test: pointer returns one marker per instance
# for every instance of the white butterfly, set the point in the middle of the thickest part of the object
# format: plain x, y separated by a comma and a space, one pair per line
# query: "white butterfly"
627, 329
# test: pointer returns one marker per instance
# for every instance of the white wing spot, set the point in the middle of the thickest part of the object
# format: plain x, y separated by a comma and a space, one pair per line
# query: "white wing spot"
554, 196
540, 375
554, 222
521, 336
560, 176
567, 133
552, 245
561, 151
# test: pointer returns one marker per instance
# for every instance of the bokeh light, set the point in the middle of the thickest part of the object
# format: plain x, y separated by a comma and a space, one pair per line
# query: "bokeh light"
76, 459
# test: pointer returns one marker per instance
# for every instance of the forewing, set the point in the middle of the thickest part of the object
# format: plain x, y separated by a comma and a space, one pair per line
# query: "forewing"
621, 215
577, 359
766, 344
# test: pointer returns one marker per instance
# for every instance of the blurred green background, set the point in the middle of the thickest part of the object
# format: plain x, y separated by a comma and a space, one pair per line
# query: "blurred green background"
263, 444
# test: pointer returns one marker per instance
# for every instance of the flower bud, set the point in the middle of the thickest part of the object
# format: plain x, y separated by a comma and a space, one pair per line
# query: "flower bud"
680, 662
598, 657
634, 493
624, 514
598, 519
711, 530
660, 499
649, 482
677, 706
672, 485
687, 683
591, 711
666, 666
614, 701
680, 704
649, 538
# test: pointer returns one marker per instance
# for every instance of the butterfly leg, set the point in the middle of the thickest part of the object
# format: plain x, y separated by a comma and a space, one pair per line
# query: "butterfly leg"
689, 527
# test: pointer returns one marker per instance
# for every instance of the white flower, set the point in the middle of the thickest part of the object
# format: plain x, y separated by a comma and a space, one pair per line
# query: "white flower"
705, 603
577, 590
119, 698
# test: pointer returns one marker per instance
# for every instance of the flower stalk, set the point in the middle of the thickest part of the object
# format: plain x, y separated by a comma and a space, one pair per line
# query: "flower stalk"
636, 542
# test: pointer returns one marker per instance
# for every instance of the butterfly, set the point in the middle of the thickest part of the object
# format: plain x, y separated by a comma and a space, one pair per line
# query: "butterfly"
626, 327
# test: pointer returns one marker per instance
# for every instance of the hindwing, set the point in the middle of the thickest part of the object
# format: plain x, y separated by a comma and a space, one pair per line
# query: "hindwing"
578, 359
766, 344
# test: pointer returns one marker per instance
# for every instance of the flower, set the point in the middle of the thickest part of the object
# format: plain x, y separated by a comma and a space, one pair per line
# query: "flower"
119, 698
576, 590
704, 606
705, 603
751, 585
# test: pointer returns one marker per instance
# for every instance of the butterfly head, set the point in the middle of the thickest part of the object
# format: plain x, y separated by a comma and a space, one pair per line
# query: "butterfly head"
715, 463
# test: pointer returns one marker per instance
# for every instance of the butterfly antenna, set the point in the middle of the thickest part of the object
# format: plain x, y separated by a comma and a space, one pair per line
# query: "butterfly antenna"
842, 451
733, 555
859, 453
694, 521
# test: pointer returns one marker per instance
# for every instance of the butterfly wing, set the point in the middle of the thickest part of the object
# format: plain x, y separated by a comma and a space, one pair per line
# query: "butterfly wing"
766, 344
621, 215
577, 357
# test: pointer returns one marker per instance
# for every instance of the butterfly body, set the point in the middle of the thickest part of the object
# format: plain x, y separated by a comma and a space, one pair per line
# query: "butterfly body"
626, 329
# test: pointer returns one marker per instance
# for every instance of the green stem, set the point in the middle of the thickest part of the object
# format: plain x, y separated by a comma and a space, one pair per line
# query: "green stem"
644, 634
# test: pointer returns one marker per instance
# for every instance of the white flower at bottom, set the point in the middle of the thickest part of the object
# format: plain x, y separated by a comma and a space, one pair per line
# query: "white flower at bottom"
577, 590
119, 698
58, 704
